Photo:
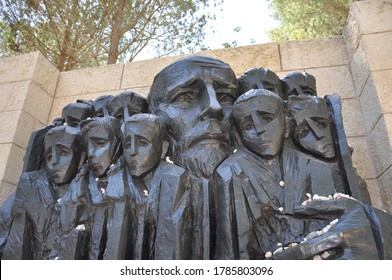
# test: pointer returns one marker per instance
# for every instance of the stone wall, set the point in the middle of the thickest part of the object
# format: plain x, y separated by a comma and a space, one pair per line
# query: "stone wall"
368, 39
27, 87
357, 66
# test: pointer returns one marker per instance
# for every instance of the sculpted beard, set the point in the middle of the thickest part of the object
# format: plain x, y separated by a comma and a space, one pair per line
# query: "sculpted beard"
202, 160
203, 148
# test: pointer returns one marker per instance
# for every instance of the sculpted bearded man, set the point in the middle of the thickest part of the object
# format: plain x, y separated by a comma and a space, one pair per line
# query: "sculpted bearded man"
194, 97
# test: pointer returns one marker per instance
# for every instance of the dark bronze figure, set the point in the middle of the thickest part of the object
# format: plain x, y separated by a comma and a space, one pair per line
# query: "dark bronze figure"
159, 194
126, 104
260, 78
299, 83
37, 195
220, 168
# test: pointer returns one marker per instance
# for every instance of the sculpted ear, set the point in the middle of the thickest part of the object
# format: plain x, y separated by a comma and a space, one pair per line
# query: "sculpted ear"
165, 147
287, 127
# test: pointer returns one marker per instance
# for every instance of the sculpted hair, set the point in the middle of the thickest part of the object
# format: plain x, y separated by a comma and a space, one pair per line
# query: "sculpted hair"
297, 79
256, 93
297, 104
109, 123
255, 75
63, 130
150, 118
158, 88
131, 98
88, 110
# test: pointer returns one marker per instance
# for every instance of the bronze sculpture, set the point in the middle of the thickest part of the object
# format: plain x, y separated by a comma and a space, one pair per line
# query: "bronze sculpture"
220, 168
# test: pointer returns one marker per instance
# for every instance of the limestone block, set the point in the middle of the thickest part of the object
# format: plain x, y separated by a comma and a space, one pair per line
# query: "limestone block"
383, 83
143, 91
385, 189
38, 103
370, 104
361, 157
283, 74
7, 131
380, 144
359, 68
4, 153
351, 33
336, 79
13, 95
246, 57
373, 16
378, 50
89, 80
11, 163
6, 189
18, 68
26, 125
375, 193
313, 53
352, 117
45, 75
142, 73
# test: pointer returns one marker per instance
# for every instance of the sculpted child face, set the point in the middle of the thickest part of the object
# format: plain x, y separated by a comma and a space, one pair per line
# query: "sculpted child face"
101, 136
100, 149
126, 104
260, 78
312, 125
260, 121
62, 154
142, 144
74, 113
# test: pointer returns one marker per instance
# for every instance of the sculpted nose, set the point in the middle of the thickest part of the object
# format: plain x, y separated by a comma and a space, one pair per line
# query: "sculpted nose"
315, 130
212, 108
133, 148
258, 125
91, 153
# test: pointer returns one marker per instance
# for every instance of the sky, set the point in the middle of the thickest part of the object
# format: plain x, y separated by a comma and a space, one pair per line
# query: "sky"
252, 16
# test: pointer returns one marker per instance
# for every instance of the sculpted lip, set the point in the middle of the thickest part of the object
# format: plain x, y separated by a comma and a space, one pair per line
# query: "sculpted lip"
209, 139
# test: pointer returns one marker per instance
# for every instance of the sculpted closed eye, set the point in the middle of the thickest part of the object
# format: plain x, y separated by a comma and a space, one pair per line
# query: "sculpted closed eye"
184, 97
49, 157
303, 131
248, 126
99, 144
225, 98
267, 119
321, 123
65, 152
143, 143
99, 113
128, 146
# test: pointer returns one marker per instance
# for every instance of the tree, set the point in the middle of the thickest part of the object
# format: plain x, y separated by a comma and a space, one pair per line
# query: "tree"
81, 33
304, 19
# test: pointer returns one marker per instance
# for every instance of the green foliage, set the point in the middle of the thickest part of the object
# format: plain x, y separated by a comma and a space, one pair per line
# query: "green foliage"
305, 19
81, 33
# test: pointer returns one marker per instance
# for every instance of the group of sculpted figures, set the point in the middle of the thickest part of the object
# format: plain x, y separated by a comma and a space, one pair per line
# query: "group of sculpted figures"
209, 166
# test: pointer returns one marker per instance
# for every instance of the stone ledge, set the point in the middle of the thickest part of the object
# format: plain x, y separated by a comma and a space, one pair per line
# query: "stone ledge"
378, 49
384, 182
379, 142
246, 57
11, 166
373, 16
335, 79
89, 80
313, 53
142, 73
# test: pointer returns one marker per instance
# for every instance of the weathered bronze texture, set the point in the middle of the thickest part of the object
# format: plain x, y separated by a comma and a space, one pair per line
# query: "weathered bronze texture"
207, 167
